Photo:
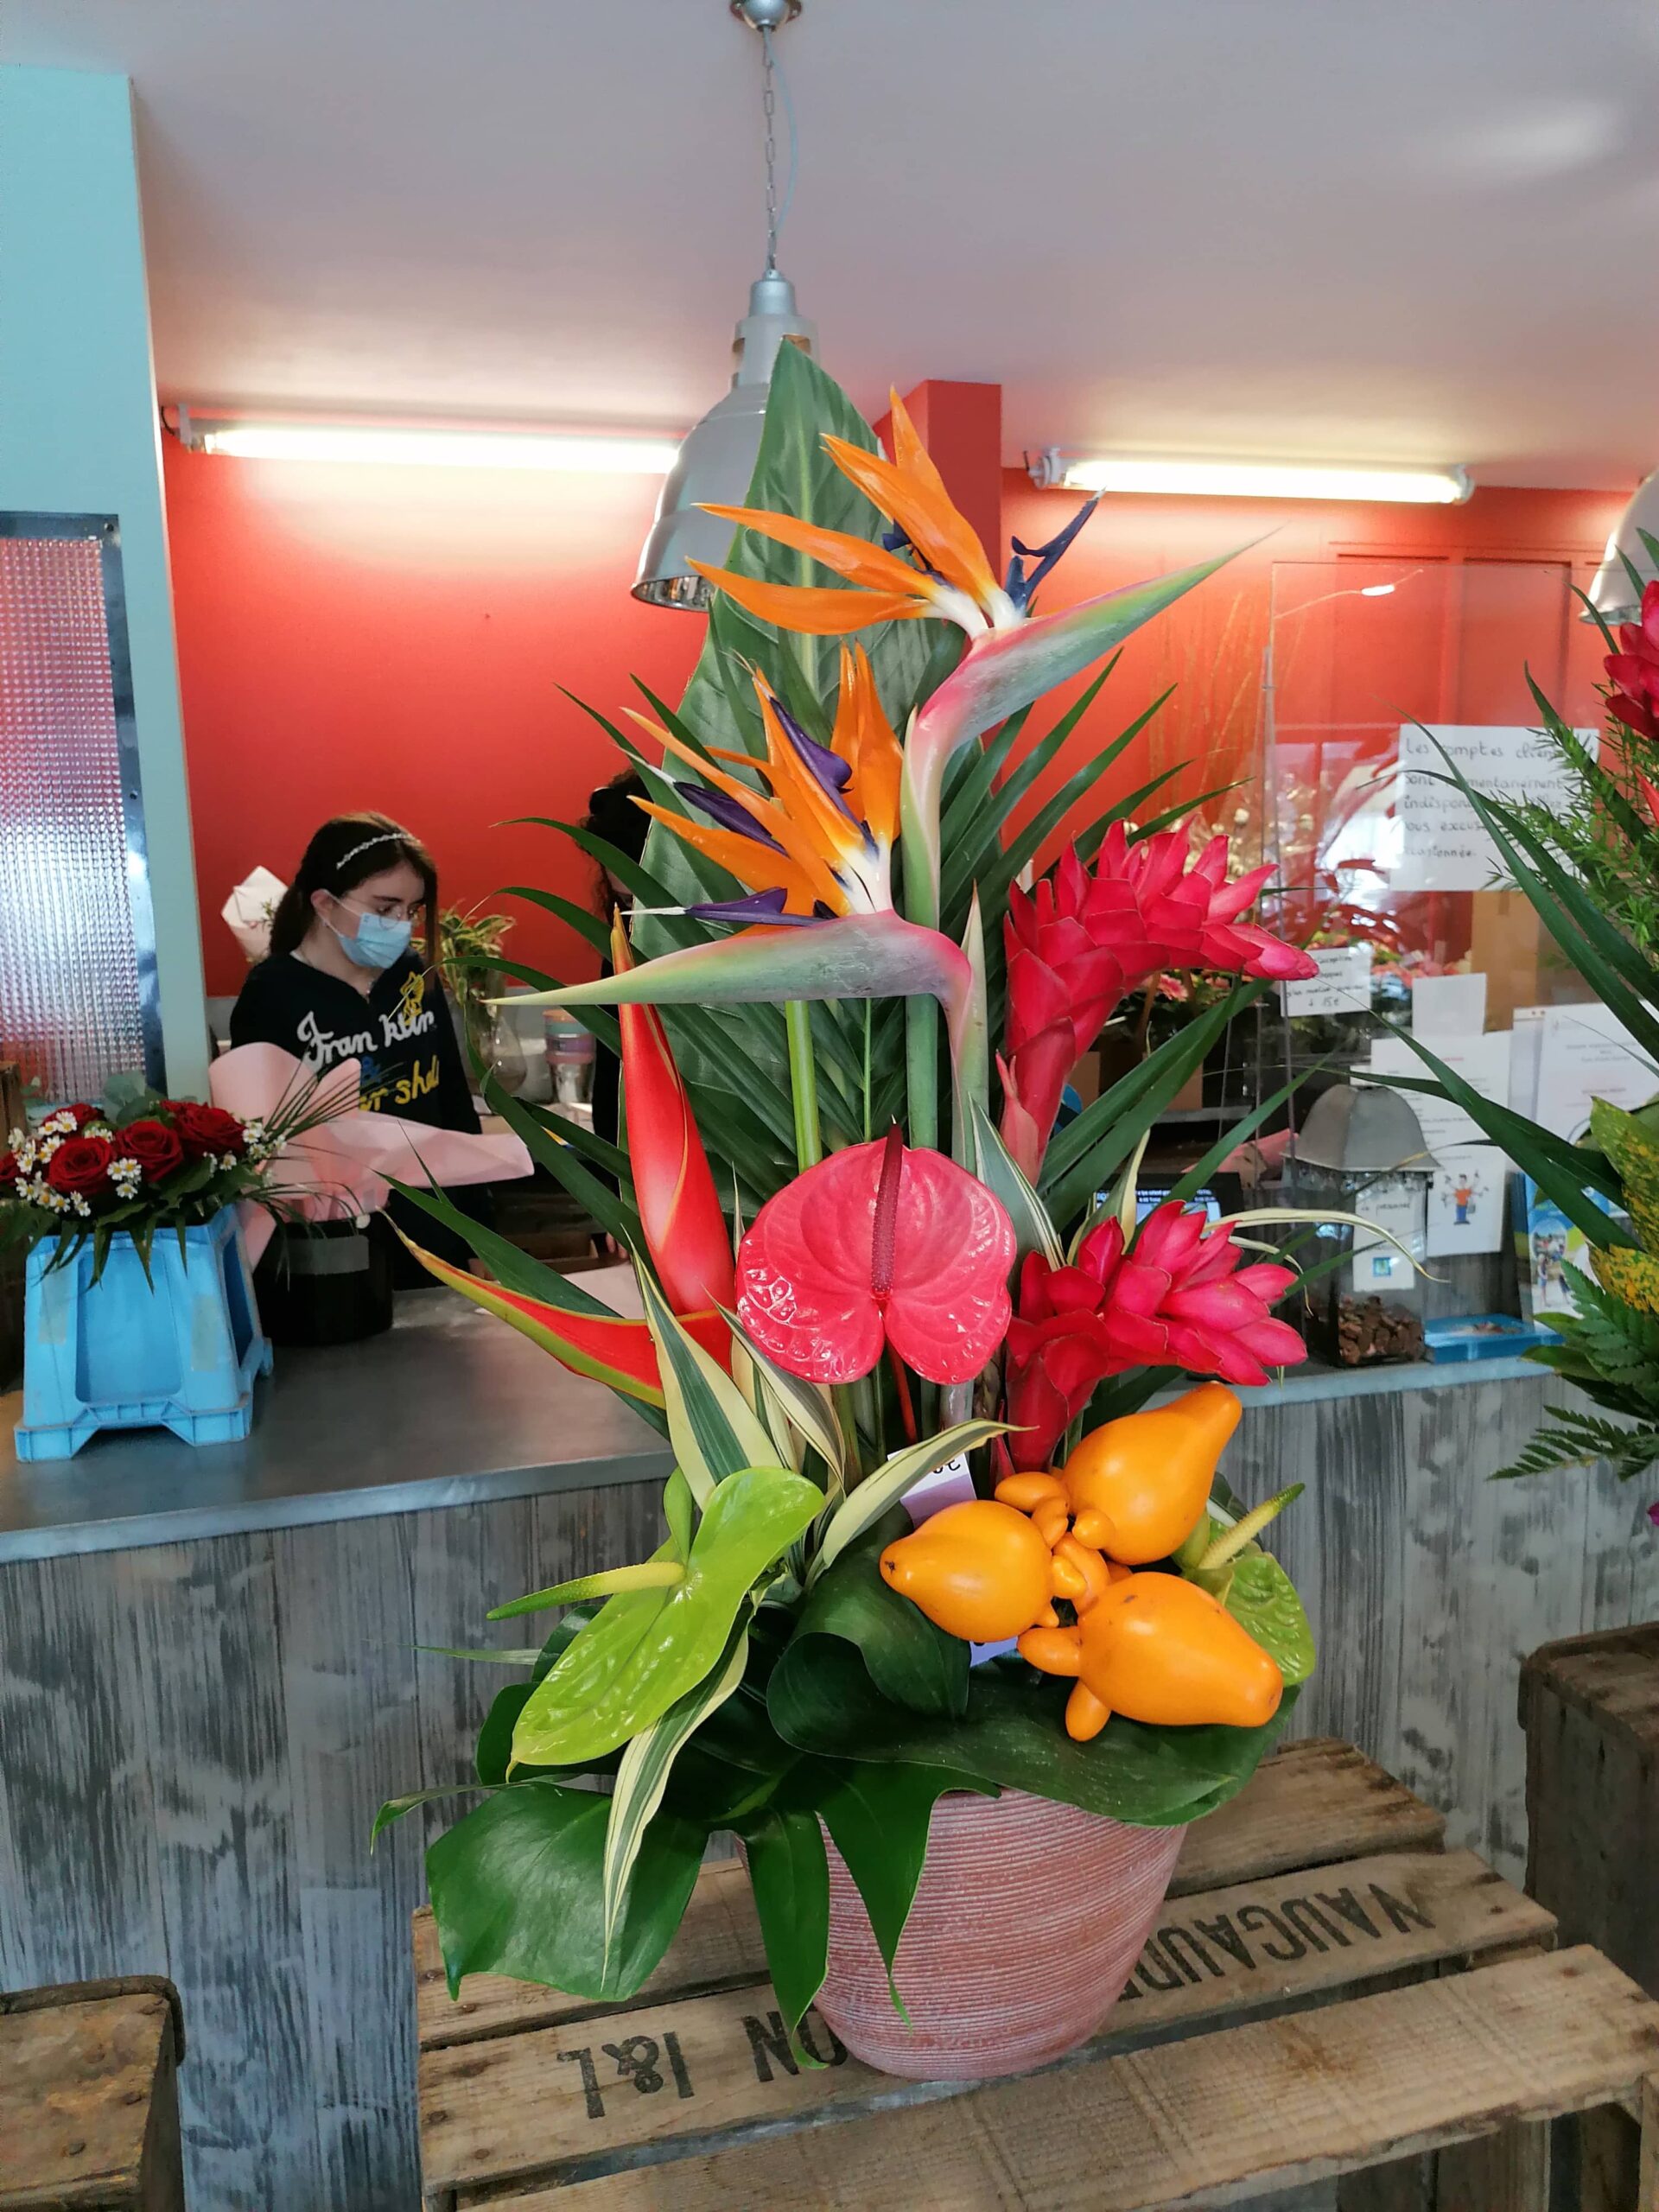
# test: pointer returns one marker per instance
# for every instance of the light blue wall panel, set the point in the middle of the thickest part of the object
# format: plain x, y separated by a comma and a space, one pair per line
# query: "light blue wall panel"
78, 434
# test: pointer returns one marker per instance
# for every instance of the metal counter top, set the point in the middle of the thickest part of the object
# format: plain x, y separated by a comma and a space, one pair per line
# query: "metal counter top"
448, 1408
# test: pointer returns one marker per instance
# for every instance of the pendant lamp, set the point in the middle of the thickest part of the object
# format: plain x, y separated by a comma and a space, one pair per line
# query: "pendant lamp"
717, 458
1614, 595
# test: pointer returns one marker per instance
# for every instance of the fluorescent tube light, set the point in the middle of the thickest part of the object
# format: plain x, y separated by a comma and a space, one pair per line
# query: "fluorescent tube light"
1250, 480
385, 445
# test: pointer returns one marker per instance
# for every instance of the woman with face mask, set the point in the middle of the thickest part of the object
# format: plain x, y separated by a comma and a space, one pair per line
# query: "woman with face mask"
344, 980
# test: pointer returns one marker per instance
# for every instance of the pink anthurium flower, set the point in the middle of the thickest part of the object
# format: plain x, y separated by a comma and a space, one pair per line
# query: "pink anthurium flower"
878, 1246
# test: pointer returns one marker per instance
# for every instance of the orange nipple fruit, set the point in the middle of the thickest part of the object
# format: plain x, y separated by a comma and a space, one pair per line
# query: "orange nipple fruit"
1137, 1486
1161, 1650
977, 1570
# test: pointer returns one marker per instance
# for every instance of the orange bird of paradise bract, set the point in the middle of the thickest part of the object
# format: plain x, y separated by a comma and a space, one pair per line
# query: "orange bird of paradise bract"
933, 564
818, 842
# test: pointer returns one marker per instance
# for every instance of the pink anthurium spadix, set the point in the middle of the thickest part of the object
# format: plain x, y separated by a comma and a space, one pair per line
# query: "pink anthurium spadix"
877, 1245
932, 563
685, 1231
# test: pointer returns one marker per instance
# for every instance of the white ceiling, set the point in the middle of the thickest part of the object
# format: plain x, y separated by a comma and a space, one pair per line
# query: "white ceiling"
1417, 230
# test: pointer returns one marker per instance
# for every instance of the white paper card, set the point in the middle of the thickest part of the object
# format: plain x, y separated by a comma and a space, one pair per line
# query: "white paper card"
1448, 1006
1465, 1201
1394, 1203
1586, 1053
1483, 1064
1443, 846
1342, 986
1525, 1042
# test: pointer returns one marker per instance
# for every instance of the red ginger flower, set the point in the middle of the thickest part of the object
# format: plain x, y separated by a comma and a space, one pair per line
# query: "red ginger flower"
1080, 943
1177, 1298
1635, 670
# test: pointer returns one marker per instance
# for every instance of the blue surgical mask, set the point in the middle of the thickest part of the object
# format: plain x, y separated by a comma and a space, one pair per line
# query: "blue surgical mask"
376, 941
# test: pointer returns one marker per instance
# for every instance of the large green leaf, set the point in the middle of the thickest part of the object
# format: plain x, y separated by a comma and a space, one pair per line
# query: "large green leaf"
789, 1873
1013, 1733
642, 1775
586, 1707
517, 1889
878, 1817
794, 475
897, 1648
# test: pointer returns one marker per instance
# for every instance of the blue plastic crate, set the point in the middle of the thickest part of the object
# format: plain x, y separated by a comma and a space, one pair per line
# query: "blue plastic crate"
178, 1350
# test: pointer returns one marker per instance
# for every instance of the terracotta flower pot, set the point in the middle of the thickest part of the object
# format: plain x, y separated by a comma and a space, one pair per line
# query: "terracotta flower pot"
1028, 1922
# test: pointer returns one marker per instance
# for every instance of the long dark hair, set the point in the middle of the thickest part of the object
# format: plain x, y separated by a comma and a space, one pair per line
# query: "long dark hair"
612, 814
343, 853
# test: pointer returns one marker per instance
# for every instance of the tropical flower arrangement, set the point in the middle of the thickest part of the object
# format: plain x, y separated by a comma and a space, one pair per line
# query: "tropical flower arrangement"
868, 1252
1589, 868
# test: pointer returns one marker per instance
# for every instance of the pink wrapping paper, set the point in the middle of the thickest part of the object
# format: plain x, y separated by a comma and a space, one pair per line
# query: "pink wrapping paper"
339, 1169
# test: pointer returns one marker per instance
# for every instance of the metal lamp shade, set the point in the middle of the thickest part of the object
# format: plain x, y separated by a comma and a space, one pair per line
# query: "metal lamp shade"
1611, 594
716, 461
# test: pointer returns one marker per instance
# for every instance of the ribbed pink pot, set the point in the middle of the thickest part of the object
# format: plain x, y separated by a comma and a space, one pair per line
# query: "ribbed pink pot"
1028, 1922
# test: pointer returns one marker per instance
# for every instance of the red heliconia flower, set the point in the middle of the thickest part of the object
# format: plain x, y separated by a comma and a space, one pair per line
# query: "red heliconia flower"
1635, 671
877, 1245
685, 1231
1176, 1298
1081, 942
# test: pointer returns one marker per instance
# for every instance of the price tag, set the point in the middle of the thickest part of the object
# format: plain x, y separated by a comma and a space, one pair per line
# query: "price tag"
1342, 986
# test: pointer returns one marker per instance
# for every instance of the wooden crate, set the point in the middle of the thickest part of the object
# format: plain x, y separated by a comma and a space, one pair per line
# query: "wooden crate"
1324, 1881
1590, 1707
89, 2111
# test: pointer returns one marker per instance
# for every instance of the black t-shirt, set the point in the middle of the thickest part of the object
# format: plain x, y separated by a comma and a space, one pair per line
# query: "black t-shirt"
404, 1039
401, 1034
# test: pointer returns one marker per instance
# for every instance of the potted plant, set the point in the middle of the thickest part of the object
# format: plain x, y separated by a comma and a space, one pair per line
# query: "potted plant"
952, 1627
469, 954
138, 1304
1589, 868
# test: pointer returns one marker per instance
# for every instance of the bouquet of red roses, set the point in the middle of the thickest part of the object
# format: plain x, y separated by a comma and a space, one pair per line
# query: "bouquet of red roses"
155, 1164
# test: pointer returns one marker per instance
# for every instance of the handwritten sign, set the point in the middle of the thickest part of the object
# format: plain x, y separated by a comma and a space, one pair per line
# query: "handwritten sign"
1342, 986
1443, 846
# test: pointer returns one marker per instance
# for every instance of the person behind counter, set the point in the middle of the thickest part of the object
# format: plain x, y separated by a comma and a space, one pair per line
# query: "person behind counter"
343, 981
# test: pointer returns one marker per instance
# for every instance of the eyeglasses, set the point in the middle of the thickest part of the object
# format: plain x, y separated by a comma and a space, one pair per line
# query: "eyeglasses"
389, 910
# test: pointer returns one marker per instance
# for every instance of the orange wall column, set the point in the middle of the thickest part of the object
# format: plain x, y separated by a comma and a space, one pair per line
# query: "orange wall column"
961, 425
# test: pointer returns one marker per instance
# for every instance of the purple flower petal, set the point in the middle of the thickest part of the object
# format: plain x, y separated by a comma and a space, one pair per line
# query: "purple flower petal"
828, 768
758, 906
1021, 586
730, 813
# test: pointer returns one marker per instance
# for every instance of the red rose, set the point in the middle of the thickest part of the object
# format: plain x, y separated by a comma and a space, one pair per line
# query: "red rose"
152, 1144
79, 1164
203, 1129
9, 1171
83, 1113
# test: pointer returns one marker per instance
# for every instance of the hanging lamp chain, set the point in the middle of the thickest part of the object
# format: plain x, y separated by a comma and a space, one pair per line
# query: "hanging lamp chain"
769, 109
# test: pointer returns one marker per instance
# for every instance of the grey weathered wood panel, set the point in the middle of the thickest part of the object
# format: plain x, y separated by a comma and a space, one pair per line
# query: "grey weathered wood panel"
193, 1737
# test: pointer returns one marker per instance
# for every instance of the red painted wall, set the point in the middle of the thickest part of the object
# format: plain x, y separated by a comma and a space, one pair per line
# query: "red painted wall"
1211, 645
398, 638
